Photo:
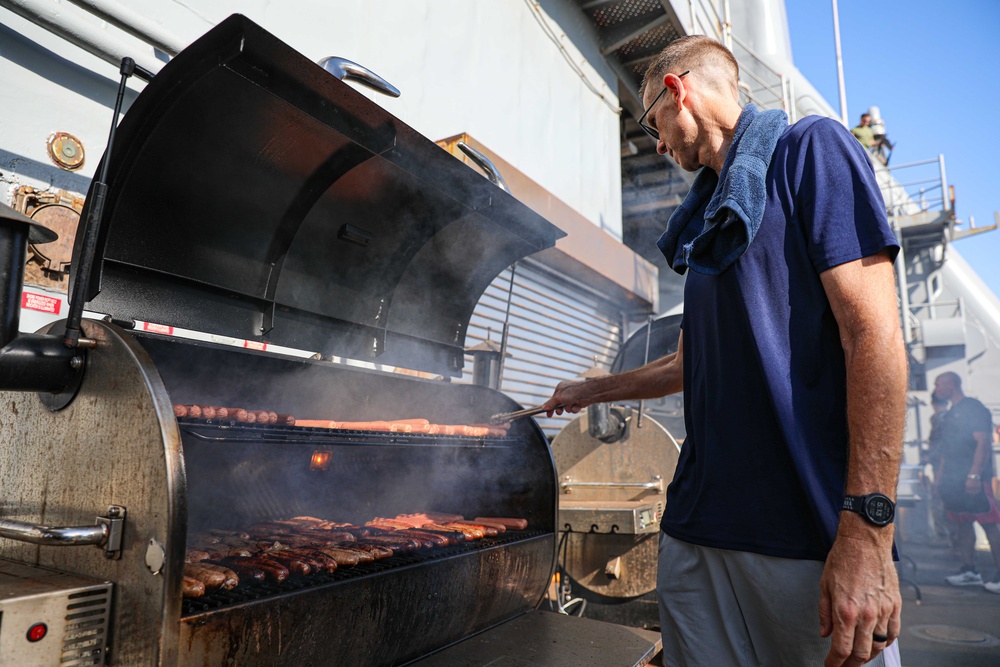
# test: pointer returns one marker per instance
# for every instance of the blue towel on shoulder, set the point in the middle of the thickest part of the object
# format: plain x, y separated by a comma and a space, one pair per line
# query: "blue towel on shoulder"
719, 217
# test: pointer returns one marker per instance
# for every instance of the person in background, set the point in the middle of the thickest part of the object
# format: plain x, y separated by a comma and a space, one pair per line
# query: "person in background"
932, 456
881, 148
793, 369
967, 472
864, 133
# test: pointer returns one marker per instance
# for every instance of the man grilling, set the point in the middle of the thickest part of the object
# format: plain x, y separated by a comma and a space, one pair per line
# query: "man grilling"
794, 376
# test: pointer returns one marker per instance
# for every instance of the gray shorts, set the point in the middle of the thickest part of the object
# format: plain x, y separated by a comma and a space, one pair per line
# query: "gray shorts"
739, 609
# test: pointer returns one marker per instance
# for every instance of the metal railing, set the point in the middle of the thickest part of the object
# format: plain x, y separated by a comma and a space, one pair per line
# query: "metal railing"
927, 190
759, 83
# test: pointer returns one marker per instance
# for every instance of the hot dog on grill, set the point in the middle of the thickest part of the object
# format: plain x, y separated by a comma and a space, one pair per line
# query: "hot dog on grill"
510, 523
274, 570
292, 563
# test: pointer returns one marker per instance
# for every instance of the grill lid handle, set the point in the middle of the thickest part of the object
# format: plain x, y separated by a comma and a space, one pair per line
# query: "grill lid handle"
342, 68
483, 162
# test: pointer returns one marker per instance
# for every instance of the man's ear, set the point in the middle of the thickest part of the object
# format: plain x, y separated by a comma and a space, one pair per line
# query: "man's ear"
677, 89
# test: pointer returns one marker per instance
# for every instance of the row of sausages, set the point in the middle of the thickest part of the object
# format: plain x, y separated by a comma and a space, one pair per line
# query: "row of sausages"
233, 414
419, 426
275, 550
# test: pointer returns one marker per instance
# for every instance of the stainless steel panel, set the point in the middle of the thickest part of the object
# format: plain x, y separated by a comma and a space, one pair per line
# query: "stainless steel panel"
116, 444
71, 611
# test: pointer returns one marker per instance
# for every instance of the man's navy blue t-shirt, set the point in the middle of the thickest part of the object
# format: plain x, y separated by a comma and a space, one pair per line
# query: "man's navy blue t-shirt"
764, 464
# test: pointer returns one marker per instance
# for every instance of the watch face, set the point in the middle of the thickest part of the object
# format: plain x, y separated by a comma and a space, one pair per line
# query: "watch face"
879, 510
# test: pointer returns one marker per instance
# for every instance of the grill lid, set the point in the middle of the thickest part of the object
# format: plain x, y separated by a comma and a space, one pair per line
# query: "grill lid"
254, 195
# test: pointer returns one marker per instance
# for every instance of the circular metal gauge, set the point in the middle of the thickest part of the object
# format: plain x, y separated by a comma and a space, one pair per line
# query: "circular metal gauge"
66, 151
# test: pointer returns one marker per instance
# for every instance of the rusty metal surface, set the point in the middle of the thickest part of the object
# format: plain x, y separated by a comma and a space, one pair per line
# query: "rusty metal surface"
645, 453
385, 619
553, 640
116, 444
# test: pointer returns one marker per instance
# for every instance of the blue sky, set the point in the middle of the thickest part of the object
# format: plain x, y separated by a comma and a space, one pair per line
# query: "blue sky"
932, 69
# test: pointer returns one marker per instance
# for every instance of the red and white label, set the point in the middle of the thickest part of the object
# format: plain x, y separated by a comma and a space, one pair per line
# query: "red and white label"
254, 345
158, 328
40, 302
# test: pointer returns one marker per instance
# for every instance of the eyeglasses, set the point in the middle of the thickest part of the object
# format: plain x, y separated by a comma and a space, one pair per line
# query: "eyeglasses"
648, 130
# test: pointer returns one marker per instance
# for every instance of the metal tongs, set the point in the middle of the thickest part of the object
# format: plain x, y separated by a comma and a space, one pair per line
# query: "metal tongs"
506, 417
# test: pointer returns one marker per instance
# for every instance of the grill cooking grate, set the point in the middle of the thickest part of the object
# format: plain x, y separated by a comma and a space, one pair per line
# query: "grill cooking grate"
221, 430
253, 591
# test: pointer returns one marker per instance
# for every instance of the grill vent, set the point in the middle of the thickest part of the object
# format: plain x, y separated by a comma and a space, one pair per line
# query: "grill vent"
85, 636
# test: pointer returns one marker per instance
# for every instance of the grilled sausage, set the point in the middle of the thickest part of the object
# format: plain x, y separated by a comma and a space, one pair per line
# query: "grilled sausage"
241, 567
192, 588
195, 555
510, 523
211, 578
500, 528
316, 423
434, 539
207, 412
391, 524
236, 414
180, 410
458, 534
193, 411
320, 562
377, 552
342, 556
232, 579
274, 570
295, 565
488, 531
477, 533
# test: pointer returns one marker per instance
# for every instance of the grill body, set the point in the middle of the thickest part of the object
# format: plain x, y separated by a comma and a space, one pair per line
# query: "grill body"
120, 443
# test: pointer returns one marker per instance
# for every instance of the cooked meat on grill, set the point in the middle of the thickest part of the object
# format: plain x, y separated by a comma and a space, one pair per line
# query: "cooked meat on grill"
274, 550
477, 533
488, 531
510, 523
390, 524
232, 579
192, 588
195, 555
210, 578
273, 570
500, 528
294, 564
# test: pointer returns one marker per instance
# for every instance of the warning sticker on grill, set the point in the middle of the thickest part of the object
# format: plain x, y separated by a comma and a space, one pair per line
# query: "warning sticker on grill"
158, 328
254, 345
41, 303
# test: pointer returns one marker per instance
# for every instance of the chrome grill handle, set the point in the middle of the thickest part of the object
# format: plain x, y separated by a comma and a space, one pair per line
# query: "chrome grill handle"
484, 163
106, 533
345, 69
656, 484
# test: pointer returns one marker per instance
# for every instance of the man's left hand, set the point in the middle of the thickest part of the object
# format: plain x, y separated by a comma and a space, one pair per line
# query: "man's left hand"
859, 597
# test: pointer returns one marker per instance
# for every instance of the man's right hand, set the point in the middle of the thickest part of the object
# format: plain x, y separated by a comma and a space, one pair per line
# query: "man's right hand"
569, 396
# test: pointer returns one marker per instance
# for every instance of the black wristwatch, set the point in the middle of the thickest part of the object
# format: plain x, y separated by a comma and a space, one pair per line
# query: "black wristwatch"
876, 508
